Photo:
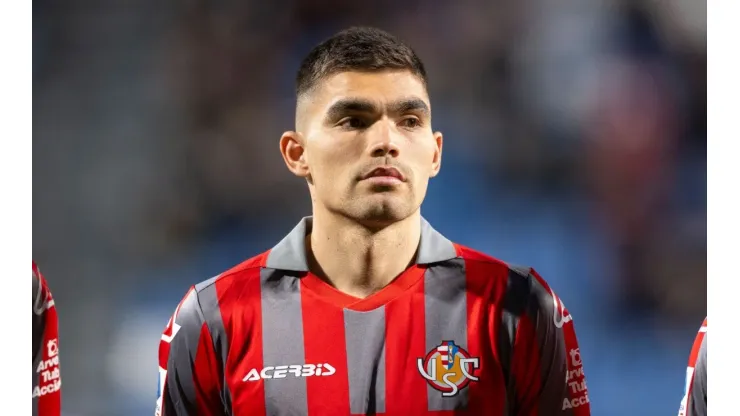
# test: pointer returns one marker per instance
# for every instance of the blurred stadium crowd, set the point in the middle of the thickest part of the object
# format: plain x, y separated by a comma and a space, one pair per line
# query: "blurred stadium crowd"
575, 143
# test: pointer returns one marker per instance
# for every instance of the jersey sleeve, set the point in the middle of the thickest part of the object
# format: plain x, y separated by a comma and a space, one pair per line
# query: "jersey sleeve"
694, 402
546, 366
189, 381
46, 385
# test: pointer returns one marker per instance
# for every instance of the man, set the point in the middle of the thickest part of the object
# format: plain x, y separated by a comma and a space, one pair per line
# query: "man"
364, 308
46, 397
694, 402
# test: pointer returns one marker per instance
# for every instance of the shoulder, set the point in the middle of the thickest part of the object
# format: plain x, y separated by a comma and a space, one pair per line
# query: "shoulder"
236, 278
521, 288
205, 300
483, 269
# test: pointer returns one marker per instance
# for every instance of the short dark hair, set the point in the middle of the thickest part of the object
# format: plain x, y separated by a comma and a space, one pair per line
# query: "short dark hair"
364, 49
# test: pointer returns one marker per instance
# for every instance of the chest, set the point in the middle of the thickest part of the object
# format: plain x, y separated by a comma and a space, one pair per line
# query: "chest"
426, 352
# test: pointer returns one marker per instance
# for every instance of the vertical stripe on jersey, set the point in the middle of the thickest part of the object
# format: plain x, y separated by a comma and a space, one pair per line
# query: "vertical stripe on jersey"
486, 285
548, 345
445, 309
513, 305
208, 297
241, 313
192, 379
282, 342
528, 366
206, 377
183, 350
406, 389
323, 333
365, 339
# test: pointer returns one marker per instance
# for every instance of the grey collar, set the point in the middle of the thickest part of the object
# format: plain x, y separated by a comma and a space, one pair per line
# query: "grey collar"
290, 252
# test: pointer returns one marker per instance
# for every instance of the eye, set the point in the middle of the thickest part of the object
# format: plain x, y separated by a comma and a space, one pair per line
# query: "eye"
352, 123
411, 123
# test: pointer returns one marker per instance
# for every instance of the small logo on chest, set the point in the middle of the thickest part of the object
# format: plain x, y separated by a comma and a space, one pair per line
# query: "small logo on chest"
286, 371
448, 368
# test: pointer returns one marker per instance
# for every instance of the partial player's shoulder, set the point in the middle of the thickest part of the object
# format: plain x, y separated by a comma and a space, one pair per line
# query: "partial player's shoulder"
701, 337
36, 276
39, 281
42, 298
36, 283
700, 342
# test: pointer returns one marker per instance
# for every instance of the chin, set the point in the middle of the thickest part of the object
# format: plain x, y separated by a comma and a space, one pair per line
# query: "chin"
383, 213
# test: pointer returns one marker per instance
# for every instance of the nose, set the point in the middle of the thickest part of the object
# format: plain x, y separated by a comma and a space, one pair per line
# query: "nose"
383, 141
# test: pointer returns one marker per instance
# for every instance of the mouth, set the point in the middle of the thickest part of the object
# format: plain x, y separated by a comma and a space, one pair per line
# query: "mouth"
385, 173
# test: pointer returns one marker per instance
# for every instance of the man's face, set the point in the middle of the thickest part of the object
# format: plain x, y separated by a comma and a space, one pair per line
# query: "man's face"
367, 145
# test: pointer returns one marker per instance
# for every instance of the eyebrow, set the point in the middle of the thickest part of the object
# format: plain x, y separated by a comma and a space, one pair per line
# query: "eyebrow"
359, 105
408, 105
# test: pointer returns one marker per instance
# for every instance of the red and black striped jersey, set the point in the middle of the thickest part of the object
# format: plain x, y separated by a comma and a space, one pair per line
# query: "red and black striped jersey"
694, 401
458, 333
47, 382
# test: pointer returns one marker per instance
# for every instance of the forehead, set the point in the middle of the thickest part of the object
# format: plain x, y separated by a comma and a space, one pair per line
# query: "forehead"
382, 86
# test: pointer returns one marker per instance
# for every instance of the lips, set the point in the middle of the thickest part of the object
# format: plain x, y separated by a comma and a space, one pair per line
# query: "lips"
385, 172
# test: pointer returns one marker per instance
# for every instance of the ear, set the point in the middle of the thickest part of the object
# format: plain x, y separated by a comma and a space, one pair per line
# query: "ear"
294, 153
437, 161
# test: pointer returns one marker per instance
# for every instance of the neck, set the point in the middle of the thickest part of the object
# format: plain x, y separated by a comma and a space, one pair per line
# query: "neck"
359, 261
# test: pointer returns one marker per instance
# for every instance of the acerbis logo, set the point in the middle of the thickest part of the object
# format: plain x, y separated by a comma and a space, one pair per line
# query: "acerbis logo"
448, 368
285, 371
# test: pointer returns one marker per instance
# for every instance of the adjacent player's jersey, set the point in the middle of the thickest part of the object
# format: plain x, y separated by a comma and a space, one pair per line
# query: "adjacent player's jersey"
47, 382
694, 402
457, 333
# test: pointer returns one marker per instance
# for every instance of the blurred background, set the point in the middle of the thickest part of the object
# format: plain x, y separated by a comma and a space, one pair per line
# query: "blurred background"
575, 143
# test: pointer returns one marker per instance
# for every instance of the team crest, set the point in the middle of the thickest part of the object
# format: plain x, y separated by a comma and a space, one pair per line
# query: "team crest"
448, 368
